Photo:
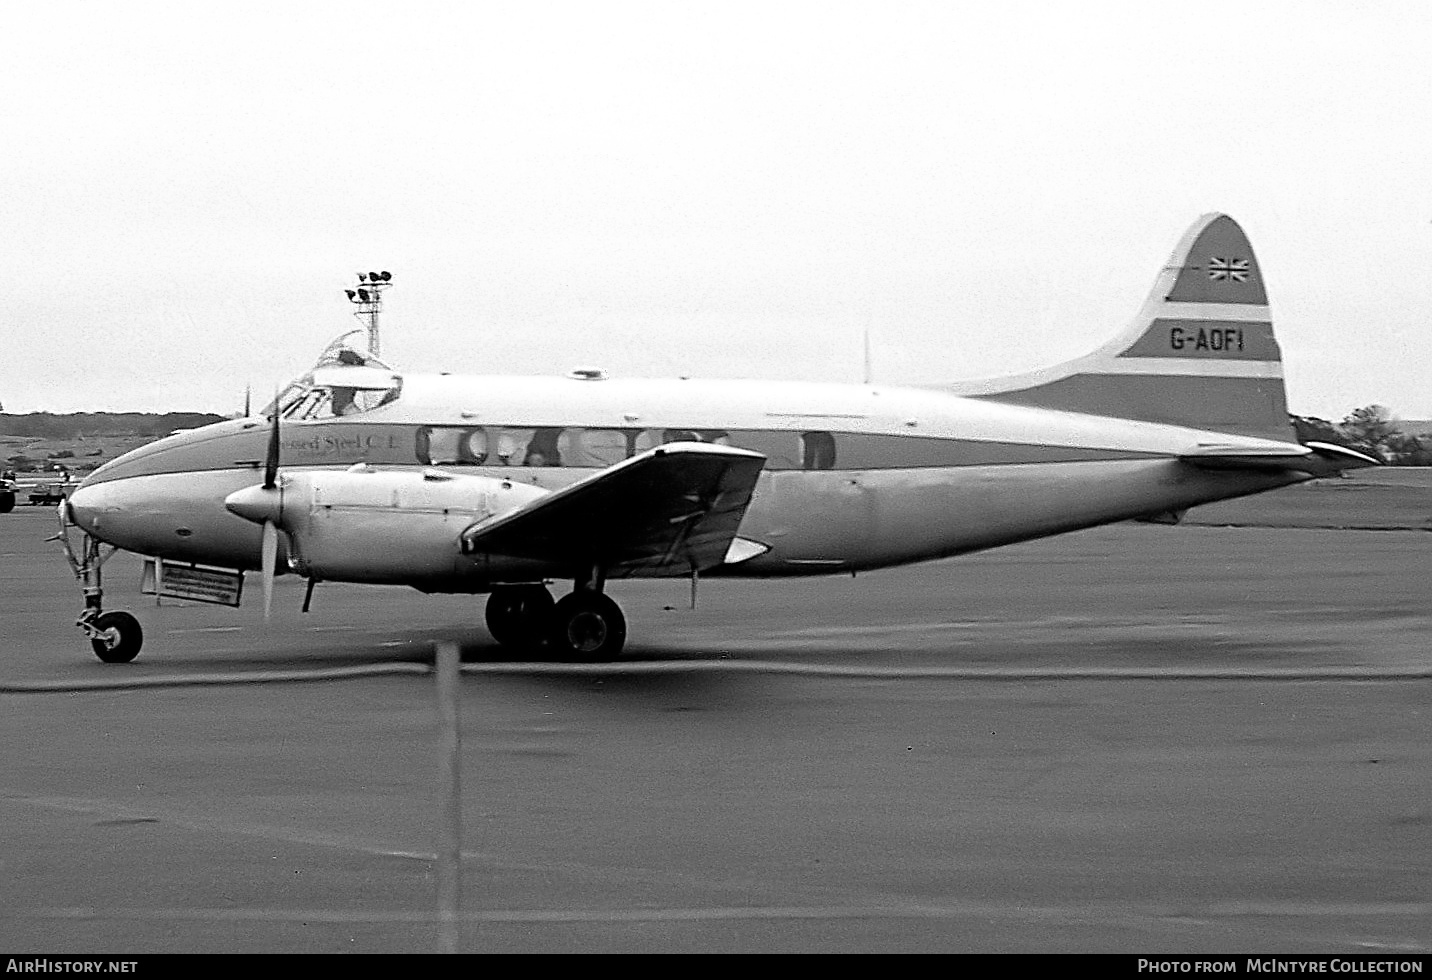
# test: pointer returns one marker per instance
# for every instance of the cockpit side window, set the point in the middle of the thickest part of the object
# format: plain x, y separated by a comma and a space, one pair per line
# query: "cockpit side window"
306, 403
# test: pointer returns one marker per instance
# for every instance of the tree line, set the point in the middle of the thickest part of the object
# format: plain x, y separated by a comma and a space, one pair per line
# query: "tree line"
1371, 430
80, 425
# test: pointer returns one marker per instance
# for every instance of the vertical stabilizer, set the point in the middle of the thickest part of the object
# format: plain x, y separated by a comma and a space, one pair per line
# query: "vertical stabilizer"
1201, 352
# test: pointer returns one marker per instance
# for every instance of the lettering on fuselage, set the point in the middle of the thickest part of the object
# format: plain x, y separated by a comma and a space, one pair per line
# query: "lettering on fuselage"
1206, 338
325, 446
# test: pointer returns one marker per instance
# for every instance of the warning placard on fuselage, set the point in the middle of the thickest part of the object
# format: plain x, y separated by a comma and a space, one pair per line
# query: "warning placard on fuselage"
221, 586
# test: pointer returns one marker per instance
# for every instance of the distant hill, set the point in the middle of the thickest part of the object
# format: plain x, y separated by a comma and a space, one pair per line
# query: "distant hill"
82, 425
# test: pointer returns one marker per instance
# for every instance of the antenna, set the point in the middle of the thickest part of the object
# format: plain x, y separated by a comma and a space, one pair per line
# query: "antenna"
368, 297
867, 353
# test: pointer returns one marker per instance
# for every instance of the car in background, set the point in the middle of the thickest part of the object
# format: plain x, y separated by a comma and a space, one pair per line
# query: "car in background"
51, 493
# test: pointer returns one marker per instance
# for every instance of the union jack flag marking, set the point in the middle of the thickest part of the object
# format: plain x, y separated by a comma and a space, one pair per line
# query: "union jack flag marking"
1231, 270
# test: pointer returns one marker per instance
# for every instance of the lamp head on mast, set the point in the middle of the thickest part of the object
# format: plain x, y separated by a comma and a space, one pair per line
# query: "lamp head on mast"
368, 297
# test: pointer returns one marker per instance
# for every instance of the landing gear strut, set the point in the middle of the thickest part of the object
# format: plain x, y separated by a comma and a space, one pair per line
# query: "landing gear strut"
584, 626
115, 636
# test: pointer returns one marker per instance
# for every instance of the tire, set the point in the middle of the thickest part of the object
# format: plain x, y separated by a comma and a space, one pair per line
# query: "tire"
518, 615
588, 627
7, 501
122, 640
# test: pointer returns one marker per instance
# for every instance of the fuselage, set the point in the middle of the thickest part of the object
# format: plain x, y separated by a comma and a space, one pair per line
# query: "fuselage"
856, 476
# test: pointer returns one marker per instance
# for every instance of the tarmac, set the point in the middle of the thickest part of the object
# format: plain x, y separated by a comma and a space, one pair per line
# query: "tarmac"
1133, 739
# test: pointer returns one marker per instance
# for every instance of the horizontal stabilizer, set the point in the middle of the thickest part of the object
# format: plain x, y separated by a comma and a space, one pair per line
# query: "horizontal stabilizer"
672, 509
1316, 458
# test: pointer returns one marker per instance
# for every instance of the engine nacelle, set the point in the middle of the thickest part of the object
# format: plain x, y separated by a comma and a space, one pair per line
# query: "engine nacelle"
375, 526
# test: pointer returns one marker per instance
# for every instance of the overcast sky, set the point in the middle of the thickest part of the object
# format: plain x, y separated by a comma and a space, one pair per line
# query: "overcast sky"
678, 188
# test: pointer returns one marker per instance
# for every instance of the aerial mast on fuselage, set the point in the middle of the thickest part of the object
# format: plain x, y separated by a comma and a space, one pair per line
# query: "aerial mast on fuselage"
369, 299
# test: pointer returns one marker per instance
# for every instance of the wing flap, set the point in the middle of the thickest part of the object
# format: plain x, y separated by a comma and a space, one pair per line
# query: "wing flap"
668, 510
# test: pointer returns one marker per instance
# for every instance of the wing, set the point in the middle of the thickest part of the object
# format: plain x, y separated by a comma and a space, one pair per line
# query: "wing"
668, 511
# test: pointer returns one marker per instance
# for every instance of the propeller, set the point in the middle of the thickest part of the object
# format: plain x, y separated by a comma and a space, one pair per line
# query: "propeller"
268, 554
271, 458
269, 557
263, 504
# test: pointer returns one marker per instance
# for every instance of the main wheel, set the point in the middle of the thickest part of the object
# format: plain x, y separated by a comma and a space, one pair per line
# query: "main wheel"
120, 639
518, 615
7, 501
589, 627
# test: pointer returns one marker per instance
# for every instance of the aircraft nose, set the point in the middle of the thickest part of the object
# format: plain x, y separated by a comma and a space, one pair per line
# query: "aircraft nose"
257, 504
88, 505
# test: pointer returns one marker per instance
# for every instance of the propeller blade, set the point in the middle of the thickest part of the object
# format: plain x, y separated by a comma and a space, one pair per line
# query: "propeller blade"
271, 459
269, 559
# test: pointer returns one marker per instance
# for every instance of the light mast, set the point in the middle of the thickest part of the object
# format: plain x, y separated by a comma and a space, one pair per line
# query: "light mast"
369, 299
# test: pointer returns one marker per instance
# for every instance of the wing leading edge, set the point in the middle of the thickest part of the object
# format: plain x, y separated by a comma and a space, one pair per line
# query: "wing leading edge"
667, 511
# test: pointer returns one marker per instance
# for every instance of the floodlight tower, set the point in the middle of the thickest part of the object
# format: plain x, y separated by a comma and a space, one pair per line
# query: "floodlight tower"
369, 299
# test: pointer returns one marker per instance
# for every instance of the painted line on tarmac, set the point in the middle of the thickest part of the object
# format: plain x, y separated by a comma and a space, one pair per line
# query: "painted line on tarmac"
717, 913
766, 667
113, 812
957, 673
214, 680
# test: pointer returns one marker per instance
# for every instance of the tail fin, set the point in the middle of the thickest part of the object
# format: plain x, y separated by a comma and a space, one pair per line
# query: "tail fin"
1201, 352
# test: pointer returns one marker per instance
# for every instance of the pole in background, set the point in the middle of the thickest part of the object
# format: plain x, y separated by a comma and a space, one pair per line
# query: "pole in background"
449, 849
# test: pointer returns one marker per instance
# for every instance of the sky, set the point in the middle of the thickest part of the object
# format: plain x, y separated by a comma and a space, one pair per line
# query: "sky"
705, 189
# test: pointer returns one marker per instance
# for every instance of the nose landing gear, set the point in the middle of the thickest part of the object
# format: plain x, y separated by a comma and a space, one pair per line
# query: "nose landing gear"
115, 636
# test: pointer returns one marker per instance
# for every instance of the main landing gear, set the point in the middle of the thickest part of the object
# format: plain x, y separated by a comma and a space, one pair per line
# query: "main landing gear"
585, 626
115, 636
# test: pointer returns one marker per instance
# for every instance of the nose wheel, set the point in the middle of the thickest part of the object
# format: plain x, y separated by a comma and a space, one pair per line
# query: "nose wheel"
116, 637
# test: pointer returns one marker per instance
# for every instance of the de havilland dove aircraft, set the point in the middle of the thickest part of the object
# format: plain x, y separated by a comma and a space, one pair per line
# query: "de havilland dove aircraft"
499, 485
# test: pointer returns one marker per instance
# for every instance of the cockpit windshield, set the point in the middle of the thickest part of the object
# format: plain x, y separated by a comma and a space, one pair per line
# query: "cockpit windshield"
346, 380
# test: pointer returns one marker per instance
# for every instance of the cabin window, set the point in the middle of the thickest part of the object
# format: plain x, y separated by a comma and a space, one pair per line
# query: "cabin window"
452, 446
511, 445
542, 449
817, 451
600, 447
781, 449
640, 440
